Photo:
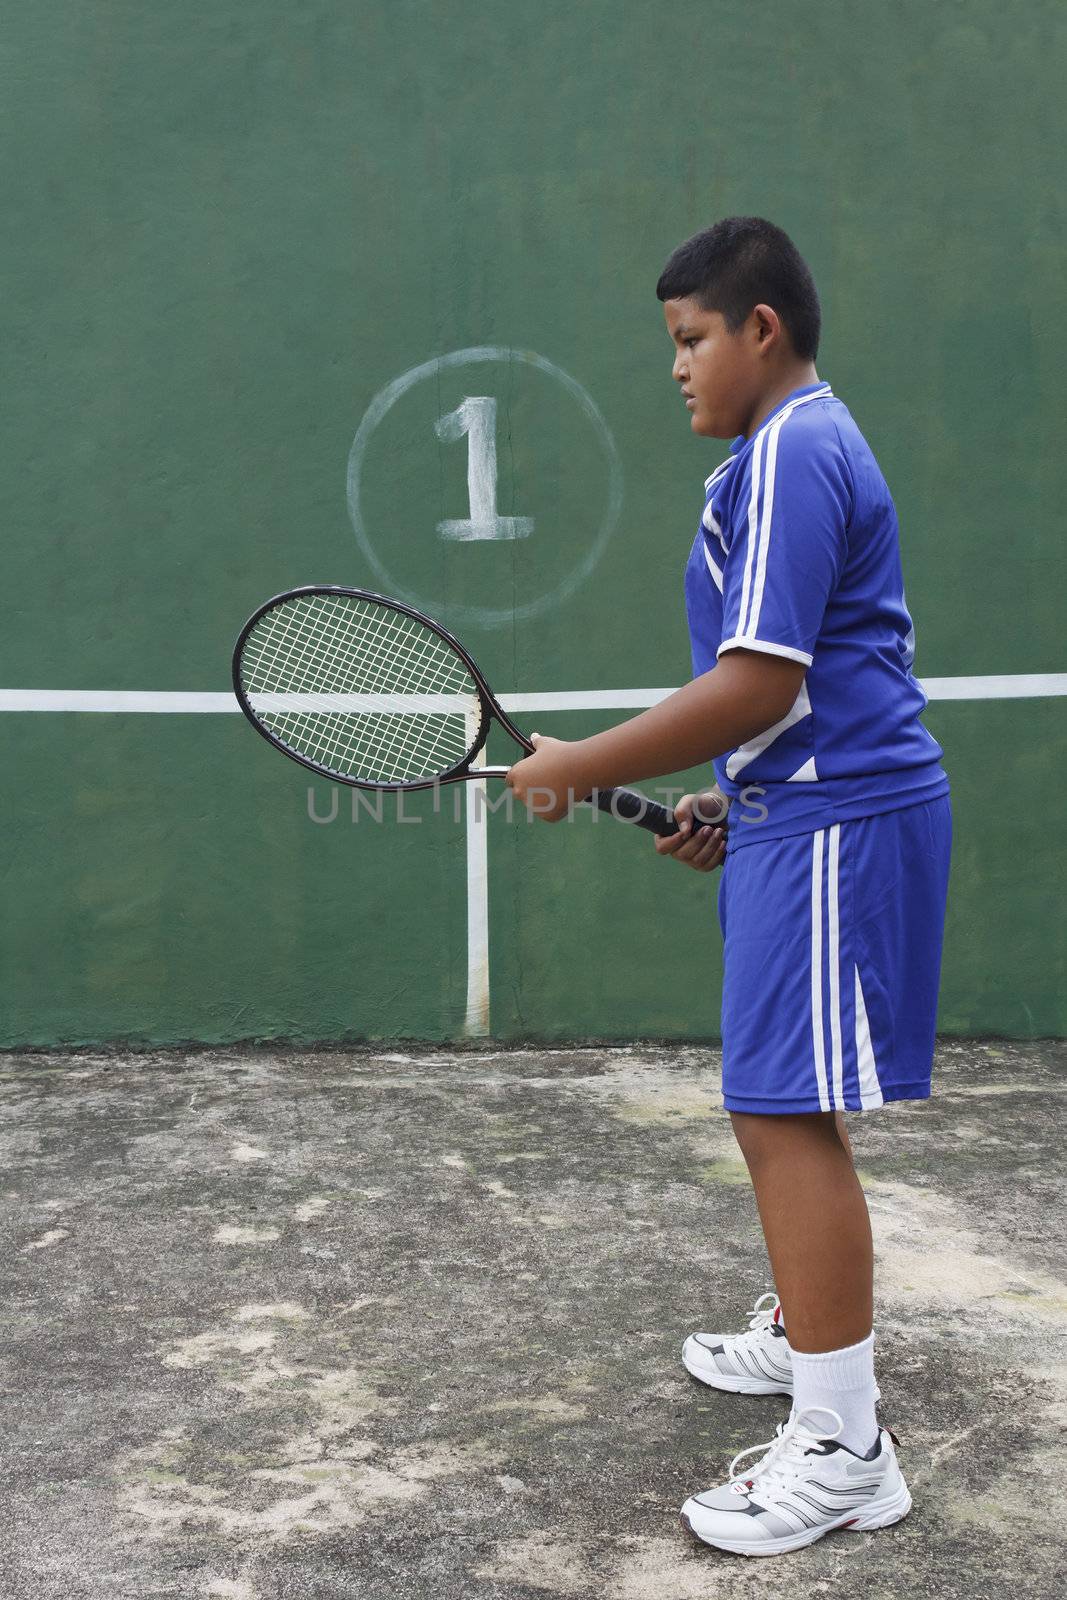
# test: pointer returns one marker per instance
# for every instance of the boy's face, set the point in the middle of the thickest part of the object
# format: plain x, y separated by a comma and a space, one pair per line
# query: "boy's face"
719, 370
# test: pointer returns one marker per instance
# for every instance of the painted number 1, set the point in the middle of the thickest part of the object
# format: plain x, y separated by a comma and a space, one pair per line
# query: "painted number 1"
476, 417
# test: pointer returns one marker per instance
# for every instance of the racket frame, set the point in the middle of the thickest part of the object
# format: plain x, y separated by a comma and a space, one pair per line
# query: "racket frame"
627, 805
489, 705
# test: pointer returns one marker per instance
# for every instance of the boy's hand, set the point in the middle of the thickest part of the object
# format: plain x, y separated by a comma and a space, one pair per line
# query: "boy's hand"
702, 847
545, 782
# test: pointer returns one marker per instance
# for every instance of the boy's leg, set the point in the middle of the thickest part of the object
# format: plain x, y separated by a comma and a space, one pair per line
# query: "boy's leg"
842, 1134
816, 1225
818, 1234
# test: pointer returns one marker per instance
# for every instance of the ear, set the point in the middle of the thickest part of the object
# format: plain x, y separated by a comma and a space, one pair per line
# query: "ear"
768, 325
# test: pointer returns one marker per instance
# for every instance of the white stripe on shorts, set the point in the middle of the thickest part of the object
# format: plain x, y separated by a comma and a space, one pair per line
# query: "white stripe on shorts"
816, 968
832, 1090
870, 1089
834, 957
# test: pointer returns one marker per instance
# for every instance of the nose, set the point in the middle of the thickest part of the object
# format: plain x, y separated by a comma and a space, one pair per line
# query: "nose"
678, 370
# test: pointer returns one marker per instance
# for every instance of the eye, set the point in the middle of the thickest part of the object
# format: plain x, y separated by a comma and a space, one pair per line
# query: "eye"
691, 339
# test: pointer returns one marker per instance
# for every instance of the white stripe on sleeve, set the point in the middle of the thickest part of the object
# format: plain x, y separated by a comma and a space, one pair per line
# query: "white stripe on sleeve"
764, 463
751, 537
736, 642
750, 626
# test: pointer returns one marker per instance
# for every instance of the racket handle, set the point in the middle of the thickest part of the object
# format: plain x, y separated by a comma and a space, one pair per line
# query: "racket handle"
629, 806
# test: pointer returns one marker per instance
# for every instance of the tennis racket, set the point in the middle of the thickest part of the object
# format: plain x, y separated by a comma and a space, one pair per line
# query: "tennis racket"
371, 692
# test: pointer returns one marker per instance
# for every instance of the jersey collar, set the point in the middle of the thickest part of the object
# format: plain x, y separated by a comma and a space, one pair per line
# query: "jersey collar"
797, 394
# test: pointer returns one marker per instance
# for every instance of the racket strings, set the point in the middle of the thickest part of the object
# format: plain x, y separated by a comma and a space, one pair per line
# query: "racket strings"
380, 747
397, 747
359, 688
431, 740
340, 663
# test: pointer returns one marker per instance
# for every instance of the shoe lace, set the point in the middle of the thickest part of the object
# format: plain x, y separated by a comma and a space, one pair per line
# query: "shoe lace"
760, 1317
791, 1440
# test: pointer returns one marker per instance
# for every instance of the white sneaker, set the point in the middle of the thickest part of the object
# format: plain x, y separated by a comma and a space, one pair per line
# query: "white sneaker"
757, 1362
805, 1486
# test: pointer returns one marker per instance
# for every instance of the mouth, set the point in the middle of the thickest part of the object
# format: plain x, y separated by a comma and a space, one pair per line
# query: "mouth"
689, 401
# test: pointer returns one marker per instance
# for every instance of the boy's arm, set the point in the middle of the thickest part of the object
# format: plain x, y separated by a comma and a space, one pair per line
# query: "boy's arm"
781, 568
747, 692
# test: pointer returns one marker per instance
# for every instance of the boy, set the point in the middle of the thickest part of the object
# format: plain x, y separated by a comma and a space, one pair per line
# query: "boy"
832, 898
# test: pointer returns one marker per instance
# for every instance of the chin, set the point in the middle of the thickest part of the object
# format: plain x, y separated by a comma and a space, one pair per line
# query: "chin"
708, 429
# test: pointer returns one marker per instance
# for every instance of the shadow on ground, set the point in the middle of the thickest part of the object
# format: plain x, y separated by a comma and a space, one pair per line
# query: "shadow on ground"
349, 1325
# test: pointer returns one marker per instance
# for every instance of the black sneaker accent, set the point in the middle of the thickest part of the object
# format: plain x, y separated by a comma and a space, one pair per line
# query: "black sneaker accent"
830, 1445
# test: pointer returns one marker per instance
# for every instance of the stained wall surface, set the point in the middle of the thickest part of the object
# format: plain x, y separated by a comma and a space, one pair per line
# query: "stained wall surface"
256, 254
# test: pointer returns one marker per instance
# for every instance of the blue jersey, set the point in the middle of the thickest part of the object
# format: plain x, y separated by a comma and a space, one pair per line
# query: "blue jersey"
798, 555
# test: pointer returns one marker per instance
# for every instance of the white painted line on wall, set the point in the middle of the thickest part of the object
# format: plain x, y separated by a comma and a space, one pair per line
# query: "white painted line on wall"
476, 1021
1010, 686
585, 700
113, 700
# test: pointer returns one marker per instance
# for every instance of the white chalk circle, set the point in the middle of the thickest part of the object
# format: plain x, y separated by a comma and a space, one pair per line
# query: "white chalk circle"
387, 397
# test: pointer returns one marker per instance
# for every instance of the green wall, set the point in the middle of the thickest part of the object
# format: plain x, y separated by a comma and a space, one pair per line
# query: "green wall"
231, 227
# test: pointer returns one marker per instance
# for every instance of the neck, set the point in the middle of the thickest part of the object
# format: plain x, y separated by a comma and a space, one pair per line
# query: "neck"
798, 377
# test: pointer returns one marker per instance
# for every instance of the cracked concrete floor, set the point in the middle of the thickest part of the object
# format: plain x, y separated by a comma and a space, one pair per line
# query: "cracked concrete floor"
381, 1325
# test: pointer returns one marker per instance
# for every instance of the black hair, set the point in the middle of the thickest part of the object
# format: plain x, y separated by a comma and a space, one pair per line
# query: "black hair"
742, 262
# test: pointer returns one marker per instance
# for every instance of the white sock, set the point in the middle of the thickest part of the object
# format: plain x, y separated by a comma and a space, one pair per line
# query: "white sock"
844, 1381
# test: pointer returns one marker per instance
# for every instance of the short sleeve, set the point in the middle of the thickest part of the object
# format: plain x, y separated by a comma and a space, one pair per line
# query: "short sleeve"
789, 541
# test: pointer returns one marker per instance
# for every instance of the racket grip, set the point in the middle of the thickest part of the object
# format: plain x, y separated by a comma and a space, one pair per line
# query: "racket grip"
629, 806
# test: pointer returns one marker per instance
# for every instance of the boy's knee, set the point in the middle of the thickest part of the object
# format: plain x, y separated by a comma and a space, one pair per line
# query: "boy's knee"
750, 1135
763, 1137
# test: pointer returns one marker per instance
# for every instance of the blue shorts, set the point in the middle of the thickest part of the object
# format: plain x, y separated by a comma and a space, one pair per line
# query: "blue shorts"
832, 960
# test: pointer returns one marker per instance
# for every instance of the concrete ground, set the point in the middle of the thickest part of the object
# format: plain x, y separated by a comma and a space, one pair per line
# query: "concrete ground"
383, 1325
